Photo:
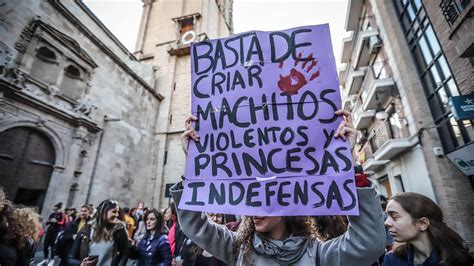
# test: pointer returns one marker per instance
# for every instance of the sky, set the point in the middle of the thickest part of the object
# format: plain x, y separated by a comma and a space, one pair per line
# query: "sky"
122, 17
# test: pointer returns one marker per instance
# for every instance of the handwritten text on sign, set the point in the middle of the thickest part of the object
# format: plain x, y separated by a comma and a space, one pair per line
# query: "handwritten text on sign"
265, 103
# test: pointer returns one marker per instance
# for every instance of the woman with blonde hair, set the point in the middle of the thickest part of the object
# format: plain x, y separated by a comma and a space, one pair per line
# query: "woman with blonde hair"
104, 241
31, 219
14, 234
416, 222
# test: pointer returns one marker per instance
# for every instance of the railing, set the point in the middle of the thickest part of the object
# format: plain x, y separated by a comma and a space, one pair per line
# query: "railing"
368, 152
358, 30
381, 135
346, 74
452, 9
357, 108
355, 35
379, 70
389, 129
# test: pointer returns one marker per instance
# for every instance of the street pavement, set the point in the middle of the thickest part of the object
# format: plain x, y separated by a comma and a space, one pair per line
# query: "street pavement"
39, 256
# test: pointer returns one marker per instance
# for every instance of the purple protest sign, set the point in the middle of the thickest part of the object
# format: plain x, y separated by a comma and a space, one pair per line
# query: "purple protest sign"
265, 103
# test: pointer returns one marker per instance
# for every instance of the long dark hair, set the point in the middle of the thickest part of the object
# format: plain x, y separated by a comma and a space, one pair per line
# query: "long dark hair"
174, 213
447, 243
102, 229
160, 220
173, 209
329, 227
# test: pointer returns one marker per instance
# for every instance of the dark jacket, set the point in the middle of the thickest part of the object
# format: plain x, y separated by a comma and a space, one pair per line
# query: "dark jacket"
57, 226
158, 255
14, 256
80, 247
391, 259
192, 255
7, 254
65, 242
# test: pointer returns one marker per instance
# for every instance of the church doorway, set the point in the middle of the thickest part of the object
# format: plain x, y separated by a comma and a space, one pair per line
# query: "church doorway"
27, 158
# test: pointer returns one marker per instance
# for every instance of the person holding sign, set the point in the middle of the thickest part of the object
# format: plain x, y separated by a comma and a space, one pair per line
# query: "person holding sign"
289, 240
273, 146
265, 105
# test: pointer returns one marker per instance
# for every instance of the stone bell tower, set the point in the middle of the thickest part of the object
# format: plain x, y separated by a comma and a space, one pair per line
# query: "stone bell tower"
166, 30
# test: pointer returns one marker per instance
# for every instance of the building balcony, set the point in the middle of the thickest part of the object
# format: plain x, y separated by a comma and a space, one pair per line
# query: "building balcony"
354, 80
378, 85
378, 92
372, 165
346, 103
346, 49
390, 139
353, 13
362, 119
393, 147
368, 42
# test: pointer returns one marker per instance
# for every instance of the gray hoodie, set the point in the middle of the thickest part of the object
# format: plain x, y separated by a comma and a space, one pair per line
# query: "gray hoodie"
362, 244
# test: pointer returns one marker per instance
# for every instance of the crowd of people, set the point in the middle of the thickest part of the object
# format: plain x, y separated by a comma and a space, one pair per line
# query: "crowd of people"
106, 235
407, 229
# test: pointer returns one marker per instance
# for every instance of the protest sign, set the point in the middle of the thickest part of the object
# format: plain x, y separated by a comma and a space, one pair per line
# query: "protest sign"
265, 104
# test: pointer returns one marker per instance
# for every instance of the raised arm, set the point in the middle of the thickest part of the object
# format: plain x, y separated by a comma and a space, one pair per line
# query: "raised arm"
364, 240
214, 238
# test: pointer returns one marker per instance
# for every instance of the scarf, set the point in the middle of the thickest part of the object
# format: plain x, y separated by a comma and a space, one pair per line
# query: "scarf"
148, 244
286, 252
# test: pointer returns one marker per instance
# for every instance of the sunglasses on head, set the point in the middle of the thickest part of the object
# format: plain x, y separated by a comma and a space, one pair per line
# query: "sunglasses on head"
110, 202
113, 202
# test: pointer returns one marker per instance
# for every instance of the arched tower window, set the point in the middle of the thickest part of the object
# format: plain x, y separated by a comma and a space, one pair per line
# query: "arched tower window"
73, 72
73, 84
46, 54
45, 67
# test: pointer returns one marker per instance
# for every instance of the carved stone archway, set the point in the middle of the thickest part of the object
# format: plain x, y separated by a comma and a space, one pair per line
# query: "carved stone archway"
27, 160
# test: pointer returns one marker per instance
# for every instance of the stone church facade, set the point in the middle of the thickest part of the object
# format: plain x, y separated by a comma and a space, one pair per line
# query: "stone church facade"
78, 111
81, 118
166, 30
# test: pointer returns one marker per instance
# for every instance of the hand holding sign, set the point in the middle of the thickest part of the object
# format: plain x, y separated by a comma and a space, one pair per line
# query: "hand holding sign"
189, 133
346, 128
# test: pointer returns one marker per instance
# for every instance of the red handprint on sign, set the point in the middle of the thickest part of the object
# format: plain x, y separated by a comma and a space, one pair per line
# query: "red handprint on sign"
297, 78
